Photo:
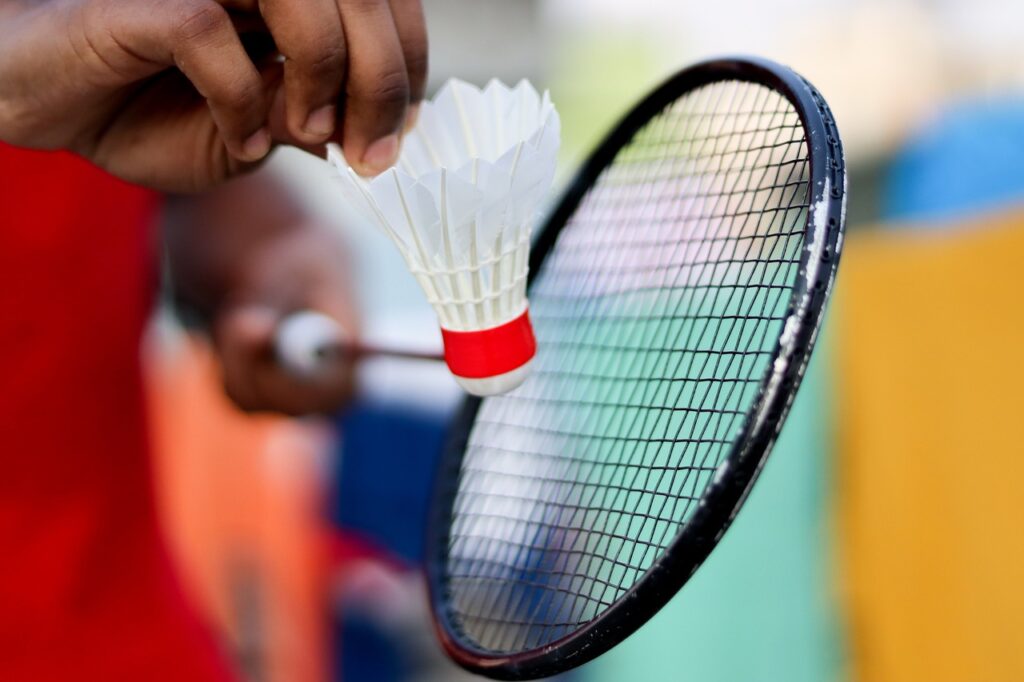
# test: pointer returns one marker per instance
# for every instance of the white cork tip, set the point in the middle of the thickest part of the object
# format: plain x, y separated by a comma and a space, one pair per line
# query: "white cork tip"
496, 385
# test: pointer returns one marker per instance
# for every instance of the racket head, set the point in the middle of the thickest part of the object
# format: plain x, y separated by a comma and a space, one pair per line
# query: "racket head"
526, 622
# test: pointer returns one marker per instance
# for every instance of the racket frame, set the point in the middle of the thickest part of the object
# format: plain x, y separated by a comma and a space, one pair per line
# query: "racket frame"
724, 496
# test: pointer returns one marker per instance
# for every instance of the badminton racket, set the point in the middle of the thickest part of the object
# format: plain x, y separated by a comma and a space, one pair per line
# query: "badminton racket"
676, 293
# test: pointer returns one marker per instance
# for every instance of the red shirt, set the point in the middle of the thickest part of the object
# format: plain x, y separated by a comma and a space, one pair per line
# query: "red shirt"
87, 591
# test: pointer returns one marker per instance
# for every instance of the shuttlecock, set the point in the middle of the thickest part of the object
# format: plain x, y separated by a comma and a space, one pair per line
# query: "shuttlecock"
460, 205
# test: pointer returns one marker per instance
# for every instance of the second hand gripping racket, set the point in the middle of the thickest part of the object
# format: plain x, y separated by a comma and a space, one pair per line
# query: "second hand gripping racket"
676, 294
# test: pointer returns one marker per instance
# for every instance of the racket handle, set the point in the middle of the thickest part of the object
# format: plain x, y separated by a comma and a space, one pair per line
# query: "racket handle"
307, 341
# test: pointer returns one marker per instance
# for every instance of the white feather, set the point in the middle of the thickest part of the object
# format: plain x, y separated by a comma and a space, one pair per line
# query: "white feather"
462, 199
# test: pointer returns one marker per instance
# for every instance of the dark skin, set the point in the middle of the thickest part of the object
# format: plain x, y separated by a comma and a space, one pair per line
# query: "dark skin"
183, 95
164, 93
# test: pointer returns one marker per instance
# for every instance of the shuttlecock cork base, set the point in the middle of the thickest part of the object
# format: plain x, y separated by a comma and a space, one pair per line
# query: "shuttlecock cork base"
491, 361
460, 205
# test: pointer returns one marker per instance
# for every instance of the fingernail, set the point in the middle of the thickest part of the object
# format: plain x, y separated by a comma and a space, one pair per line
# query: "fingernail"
381, 155
411, 116
321, 122
257, 145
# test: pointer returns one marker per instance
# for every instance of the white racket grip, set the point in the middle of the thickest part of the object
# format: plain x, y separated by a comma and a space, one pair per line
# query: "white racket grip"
305, 341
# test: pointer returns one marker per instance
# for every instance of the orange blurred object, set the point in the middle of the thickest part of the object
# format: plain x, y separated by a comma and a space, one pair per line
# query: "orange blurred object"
241, 498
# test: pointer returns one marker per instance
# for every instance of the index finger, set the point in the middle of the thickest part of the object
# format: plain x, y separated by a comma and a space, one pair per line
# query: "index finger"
412, 33
309, 35
377, 87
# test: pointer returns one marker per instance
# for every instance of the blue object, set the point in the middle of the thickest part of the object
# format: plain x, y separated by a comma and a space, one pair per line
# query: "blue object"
389, 455
382, 493
366, 654
969, 159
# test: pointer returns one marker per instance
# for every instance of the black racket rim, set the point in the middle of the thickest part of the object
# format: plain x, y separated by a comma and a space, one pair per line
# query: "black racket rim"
724, 496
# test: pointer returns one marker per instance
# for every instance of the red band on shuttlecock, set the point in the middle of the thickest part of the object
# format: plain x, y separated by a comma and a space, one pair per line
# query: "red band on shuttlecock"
490, 352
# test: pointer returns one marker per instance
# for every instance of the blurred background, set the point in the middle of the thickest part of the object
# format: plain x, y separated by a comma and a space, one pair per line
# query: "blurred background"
884, 541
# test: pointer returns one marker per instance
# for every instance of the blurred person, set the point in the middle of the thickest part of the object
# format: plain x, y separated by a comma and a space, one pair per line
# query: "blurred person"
175, 95
241, 258
241, 498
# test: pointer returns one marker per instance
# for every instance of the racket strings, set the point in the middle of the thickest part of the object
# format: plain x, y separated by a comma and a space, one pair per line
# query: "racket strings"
653, 314
636, 548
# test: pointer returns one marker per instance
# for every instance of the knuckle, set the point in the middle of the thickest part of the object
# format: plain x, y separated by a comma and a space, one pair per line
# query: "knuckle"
327, 58
200, 20
241, 93
235, 90
390, 90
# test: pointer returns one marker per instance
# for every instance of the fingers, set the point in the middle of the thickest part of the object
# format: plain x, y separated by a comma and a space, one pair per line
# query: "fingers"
202, 40
309, 34
204, 45
412, 33
378, 46
373, 50
256, 381
377, 88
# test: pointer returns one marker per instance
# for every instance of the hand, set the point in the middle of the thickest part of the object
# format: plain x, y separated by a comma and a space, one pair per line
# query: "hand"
244, 257
179, 95
293, 273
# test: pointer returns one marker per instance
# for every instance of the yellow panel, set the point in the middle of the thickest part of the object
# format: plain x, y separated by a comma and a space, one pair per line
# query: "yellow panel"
931, 470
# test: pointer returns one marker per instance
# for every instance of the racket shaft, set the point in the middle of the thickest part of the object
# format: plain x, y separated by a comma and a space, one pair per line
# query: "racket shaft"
308, 341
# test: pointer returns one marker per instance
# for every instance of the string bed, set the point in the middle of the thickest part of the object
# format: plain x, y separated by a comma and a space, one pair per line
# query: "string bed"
657, 314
